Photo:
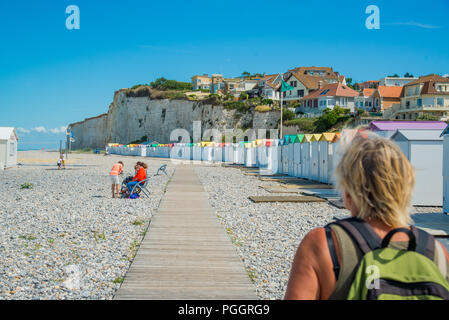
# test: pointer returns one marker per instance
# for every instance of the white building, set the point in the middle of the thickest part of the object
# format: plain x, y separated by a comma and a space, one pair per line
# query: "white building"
424, 150
8, 147
395, 82
365, 99
328, 96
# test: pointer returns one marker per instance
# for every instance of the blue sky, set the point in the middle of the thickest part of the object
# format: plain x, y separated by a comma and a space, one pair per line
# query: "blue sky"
51, 76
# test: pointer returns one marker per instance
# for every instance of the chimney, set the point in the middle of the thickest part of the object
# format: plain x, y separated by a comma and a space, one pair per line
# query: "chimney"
320, 84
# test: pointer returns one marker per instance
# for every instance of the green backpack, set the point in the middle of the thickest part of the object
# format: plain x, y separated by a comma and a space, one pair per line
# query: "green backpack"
385, 273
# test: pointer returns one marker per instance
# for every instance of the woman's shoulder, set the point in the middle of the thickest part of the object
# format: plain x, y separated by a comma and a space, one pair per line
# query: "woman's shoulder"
314, 240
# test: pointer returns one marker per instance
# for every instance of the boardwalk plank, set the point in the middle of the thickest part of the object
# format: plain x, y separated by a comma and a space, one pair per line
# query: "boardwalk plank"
186, 253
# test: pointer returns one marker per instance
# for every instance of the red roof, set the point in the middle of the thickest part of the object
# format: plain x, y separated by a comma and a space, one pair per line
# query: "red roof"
368, 92
390, 92
334, 90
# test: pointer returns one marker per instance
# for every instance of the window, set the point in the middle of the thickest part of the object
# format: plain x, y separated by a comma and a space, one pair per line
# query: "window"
417, 90
12, 149
324, 92
300, 93
419, 102
440, 102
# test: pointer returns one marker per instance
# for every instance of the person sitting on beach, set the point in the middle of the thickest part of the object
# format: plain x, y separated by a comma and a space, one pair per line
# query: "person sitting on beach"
376, 181
117, 170
141, 175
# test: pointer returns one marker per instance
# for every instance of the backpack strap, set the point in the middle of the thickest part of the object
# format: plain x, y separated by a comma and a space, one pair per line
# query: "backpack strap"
411, 235
425, 243
361, 232
332, 251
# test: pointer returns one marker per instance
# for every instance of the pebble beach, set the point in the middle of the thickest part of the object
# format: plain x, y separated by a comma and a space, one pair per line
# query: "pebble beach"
64, 237
266, 235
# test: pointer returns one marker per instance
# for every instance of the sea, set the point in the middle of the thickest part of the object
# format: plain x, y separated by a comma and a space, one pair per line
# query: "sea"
41, 147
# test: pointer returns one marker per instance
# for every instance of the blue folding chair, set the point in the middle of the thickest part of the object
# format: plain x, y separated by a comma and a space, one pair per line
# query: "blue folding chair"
163, 168
141, 187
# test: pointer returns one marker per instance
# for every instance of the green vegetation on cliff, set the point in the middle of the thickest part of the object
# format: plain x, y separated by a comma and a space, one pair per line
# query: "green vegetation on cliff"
330, 121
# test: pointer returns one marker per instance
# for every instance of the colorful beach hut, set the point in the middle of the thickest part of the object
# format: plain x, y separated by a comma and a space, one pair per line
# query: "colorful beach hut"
387, 129
424, 149
326, 144
306, 156
297, 155
315, 157
250, 155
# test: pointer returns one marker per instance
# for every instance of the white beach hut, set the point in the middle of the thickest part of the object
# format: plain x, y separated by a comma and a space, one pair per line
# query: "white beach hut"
218, 152
424, 149
445, 136
228, 153
250, 155
239, 153
326, 143
284, 158
8, 147
297, 155
291, 158
305, 156
274, 157
315, 157
196, 150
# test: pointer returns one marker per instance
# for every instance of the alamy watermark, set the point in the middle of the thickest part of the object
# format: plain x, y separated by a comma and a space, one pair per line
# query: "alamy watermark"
72, 22
372, 281
373, 20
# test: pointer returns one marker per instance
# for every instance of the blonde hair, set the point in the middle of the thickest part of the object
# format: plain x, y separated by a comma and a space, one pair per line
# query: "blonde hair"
377, 176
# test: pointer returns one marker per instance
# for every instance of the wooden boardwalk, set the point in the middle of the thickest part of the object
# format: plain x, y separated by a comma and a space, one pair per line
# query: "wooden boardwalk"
186, 253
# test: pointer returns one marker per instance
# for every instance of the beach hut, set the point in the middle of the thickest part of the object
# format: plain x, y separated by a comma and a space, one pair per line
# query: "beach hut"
228, 153
8, 147
445, 136
239, 153
218, 152
315, 157
261, 150
424, 149
326, 144
284, 158
207, 151
387, 129
250, 155
305, 156
196, 151
273, 156
297, 155
290, 155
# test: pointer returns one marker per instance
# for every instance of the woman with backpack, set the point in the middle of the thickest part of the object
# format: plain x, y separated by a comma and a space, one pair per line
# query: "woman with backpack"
375, 254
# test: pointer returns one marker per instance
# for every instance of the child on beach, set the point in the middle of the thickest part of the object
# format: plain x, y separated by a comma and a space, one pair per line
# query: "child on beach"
59, 164
63, 158
117, 170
